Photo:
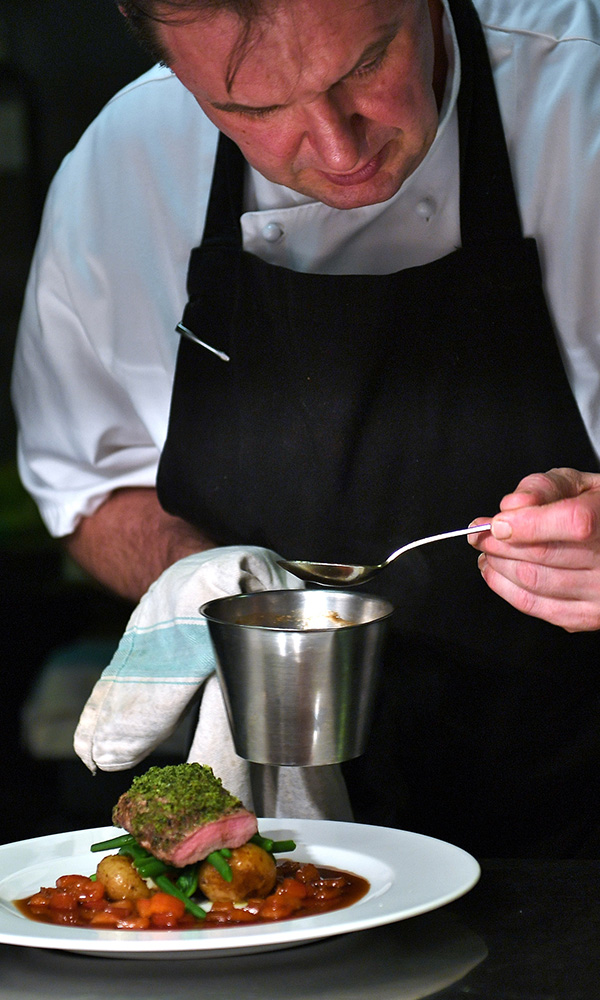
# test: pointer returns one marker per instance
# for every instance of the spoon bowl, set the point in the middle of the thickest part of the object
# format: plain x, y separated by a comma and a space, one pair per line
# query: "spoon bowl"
345, 575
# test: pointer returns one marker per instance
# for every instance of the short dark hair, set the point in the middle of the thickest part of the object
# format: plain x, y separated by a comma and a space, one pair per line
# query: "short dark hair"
143, 17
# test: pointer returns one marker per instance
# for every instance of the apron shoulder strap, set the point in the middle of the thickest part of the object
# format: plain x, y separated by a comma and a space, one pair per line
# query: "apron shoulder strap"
487, 191
225, 203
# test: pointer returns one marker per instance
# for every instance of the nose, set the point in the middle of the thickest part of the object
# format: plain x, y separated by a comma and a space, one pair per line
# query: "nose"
335, 134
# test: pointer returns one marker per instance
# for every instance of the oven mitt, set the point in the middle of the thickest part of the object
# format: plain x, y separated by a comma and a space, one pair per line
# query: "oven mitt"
160, 667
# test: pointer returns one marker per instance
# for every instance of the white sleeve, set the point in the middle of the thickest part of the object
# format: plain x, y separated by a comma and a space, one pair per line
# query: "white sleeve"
79, 433
97, 346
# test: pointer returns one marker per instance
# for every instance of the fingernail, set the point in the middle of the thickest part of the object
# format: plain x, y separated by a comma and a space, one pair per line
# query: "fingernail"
501, 529
481, 562
472, 539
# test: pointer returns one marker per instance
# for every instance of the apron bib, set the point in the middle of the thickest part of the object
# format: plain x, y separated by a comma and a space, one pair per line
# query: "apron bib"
359, 412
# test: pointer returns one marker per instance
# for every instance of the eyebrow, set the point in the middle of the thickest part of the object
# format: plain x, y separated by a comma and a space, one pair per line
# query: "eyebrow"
371, 50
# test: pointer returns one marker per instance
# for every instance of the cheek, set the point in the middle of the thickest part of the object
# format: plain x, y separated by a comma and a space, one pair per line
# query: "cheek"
260, 141
406, 105
266, 144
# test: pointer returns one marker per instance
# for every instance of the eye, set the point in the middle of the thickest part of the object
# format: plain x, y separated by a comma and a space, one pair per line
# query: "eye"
372, 66
258, 112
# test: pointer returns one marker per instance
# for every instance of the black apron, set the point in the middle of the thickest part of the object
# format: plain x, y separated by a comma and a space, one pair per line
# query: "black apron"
359, 412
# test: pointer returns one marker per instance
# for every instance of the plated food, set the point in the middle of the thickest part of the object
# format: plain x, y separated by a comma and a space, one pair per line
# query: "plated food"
408, 875
192, 858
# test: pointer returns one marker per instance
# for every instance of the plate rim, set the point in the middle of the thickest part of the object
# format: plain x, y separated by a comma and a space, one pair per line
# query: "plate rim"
246, 940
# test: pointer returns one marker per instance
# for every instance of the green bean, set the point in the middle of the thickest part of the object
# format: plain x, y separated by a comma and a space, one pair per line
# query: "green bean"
145, 863
109, 845
283, 845
188, 880
150, 868
166, 885
265, 842
217, 860
272, 846
137, 854
225, 852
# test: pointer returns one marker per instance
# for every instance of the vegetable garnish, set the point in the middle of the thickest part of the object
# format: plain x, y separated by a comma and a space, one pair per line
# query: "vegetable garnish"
183, 882
219, 861
116, 842
262, 891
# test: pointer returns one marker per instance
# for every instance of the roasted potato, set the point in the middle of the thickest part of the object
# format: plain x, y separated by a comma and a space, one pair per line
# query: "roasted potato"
120, 879
254, 875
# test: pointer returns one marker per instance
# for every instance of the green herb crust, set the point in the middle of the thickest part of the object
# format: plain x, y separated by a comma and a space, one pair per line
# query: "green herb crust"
174, 798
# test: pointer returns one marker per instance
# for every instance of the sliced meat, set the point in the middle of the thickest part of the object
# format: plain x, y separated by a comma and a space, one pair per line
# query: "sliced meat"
180, 813
233, 830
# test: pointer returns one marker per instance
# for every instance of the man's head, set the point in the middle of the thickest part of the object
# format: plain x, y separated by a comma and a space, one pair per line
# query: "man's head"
335, 99
145, 16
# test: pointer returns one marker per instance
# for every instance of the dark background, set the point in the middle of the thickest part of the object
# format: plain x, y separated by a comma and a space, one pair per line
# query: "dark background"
60, 61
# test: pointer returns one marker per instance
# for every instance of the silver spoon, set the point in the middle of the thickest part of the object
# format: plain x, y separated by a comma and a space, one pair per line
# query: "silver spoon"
341, 575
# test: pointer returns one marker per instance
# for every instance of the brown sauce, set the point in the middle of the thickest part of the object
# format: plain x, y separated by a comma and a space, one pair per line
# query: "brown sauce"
302, 890
294, 622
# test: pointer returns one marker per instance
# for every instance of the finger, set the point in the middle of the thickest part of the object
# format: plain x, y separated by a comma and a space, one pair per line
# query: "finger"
562, 583
573, 616
558, 555
571, 555
574, 520
547, 487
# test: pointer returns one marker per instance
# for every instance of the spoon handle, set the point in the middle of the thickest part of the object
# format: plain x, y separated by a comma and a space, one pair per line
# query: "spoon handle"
436, 538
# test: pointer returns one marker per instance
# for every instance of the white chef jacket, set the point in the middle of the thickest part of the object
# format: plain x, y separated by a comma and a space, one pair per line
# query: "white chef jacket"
97, 345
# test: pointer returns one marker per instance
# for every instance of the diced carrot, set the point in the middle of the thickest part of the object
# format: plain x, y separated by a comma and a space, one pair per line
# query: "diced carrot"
62, 900
223, 912
160, 902
278, 907
122, 905
41, 898
120, 908
290, 887
93, 904
253, 905
81, 887
306, 873
103, 918
164, 921
221, 906
134, 923
325, 891
241, 915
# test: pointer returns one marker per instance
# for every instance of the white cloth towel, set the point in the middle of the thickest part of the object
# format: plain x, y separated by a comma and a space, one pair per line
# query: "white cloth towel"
162, 664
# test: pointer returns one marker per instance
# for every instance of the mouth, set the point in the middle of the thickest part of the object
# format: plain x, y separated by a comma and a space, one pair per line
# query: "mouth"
360, 176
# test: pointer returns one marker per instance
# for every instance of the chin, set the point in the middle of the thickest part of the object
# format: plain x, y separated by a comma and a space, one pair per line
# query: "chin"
359, 195
379, 188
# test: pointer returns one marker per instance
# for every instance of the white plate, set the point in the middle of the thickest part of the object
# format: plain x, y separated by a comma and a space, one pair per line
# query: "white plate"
408, 874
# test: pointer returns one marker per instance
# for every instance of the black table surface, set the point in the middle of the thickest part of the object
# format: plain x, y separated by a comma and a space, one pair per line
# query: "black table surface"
529, 930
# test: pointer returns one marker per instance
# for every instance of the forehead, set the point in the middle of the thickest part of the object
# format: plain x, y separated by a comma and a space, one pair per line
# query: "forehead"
285, 41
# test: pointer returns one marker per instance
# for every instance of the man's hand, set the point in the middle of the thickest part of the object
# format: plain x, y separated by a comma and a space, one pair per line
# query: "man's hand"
128, 542
543, 552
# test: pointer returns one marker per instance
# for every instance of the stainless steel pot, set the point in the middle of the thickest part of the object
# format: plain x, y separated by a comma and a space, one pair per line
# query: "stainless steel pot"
298, 669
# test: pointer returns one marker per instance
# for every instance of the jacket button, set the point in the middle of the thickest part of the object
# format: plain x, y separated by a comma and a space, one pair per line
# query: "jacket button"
426, 208
272, 232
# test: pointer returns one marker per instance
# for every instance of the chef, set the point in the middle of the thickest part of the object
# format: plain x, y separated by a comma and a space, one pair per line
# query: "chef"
388, 320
